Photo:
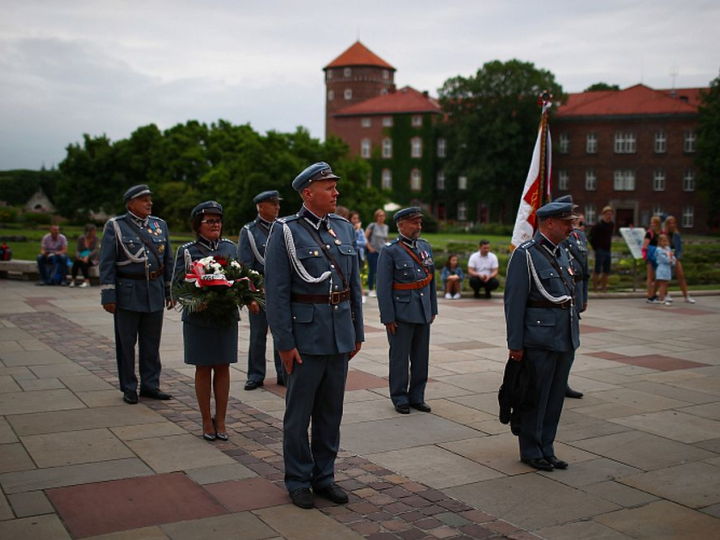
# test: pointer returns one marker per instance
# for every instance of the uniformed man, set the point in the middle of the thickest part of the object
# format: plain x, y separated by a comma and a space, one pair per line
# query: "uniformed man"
251, 252
407, 298
542, 328
314, 307
135, 275
576, 244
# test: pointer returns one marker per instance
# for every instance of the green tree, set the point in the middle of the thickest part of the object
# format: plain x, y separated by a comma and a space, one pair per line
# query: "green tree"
708, 150
601, 86
492, 120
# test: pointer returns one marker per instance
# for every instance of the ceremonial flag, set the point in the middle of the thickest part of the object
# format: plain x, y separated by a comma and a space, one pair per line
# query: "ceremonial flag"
537, 185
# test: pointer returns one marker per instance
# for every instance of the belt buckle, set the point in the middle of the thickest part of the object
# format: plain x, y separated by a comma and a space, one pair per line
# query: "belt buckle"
153, 274
335, 298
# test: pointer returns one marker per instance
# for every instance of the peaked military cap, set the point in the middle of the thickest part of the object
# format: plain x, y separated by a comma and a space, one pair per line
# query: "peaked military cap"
136, 191
556, 210
407, 213
267, 196
566, 199
207, 207
314, 173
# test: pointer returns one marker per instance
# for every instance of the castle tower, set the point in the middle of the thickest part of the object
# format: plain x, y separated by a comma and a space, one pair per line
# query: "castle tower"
356, 75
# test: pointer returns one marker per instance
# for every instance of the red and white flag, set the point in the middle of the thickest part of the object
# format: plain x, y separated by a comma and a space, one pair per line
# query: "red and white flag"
537, 184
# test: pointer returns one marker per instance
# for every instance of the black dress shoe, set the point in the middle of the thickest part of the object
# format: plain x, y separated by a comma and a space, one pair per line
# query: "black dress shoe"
540, 464
302, 498
422, 406
403, 409
252, 385
569, 392
155, 394
130, 398
280, 381
557, 463
332, 493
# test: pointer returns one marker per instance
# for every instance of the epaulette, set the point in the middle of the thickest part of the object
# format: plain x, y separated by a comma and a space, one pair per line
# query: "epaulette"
528, 244
227, 240
337, 216
155, 217
118, 218
187, 245
285, 219
391, 242
423, 241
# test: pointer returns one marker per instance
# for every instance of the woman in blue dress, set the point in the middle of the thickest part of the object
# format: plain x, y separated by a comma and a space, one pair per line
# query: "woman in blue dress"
211, 346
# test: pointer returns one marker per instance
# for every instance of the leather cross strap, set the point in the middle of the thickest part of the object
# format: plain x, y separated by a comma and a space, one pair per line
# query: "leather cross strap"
421, 283
556, 266
325, 249
151, 246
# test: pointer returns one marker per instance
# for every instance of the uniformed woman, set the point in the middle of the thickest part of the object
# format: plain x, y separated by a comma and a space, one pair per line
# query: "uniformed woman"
210, 346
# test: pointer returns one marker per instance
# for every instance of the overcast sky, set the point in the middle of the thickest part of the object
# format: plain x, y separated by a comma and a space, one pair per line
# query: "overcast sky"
71, 67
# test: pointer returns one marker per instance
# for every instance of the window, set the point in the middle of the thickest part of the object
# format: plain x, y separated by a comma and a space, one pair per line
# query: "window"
387, 121
365, 148
387, 148
383, 91
386, 74
415, 180
689, 143
590, 180
386, 179
441, 148
659, 180
366, 122
625, 143
462, 182
657, 210
624, 181
590, 214
563, 181
591, 143
689, 181
660, 142
462, 211
348, 94
441, 180
416, 147
688, 217
347, 72
417, 121
564, 143
331, 95
329, 74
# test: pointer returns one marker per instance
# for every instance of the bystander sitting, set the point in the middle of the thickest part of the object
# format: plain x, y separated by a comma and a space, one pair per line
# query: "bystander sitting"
483, 268
52, 261
86, 255
452, 277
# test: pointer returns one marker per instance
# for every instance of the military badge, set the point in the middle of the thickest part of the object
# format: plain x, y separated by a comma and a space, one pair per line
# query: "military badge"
161, 249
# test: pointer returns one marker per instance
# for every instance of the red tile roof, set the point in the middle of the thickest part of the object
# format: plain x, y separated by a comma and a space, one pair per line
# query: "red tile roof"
638, 99
405, 100
359, 55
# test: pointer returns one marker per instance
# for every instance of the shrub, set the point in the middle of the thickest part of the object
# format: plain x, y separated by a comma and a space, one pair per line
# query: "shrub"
8, 214
34, 219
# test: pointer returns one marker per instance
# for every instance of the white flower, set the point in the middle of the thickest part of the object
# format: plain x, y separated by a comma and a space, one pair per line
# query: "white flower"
235, 264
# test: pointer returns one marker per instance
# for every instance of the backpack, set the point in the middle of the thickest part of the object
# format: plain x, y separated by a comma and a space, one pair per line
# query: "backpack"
648, 252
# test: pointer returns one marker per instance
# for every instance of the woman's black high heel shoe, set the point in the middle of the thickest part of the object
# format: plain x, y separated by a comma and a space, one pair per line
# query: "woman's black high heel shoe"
221, 436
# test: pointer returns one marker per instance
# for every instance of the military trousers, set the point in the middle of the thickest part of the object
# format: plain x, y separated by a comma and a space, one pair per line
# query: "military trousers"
539, 425
258, 348
315, 392
409, 357
145, 329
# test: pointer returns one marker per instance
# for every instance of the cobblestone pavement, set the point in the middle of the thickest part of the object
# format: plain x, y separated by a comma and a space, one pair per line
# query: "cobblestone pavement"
643, 444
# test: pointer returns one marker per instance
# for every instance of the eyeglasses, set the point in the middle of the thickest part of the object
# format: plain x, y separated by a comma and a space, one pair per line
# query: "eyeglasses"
212, 221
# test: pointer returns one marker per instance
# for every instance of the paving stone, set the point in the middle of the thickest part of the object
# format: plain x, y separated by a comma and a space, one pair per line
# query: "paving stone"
531, 492
58, 370
8, 384
33, 358
34, 528
619, 494
297, 524
33, 385
179, 452
248, 494
75, 447
32, 402
582, 530
695, 484
5, 510
17, 482
147, 431
662, 520
84, 418
220, 473
85, 383
6, 433
32, 503
106, 507
143, 533
435, 466
13, 457
674, 425
243, 524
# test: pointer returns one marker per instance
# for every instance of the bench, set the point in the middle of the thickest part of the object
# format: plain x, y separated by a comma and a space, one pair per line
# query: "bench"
28, 270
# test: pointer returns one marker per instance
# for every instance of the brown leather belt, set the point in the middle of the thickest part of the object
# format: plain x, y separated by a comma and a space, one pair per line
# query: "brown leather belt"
414, 285
548, 304
152, 275
333, 299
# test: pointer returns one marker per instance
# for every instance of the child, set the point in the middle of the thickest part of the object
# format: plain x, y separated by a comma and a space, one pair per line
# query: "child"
452, 276
665, 262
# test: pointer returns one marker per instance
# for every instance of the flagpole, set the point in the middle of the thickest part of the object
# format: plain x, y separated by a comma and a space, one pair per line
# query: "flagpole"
545, 102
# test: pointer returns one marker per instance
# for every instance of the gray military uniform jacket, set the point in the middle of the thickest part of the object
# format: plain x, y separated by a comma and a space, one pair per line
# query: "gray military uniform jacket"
577, 246
533, 284
135, 263
252, 243
296, 265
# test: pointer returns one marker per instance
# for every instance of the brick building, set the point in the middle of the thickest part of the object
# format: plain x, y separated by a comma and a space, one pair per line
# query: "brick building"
633, 149
394, 129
